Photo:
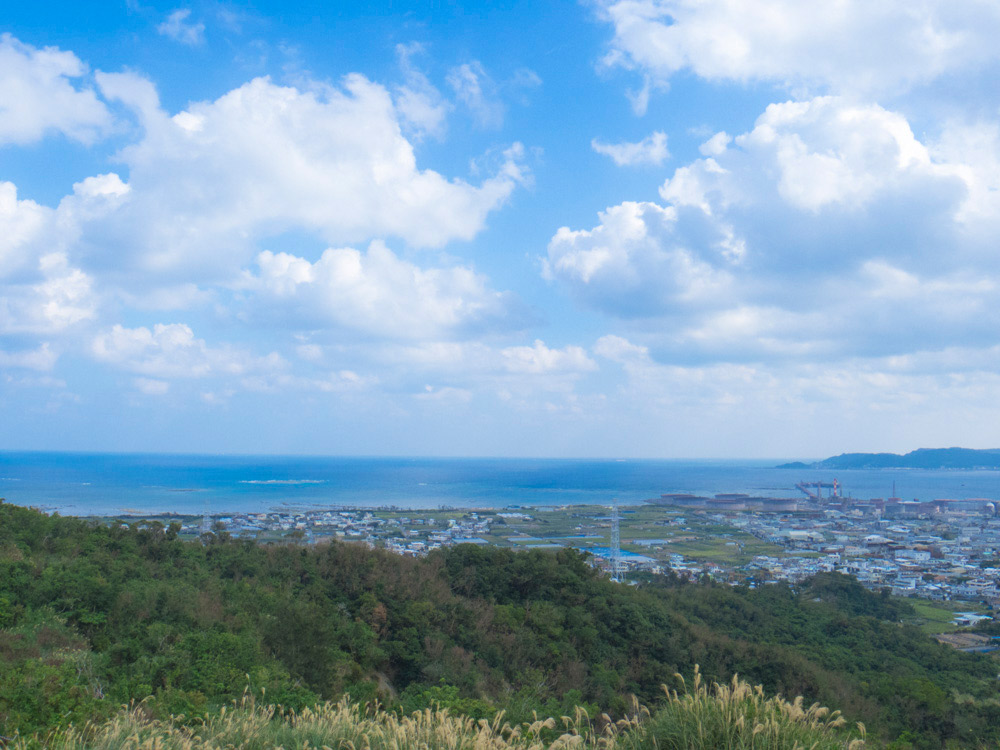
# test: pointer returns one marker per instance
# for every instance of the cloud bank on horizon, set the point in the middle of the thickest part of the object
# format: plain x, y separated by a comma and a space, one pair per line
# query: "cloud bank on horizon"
222, 232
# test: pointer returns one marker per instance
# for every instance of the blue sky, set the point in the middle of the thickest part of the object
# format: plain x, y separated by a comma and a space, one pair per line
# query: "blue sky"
651, 228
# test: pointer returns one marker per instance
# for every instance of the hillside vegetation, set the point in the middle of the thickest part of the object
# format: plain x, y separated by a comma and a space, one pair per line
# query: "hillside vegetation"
93, 617
921, 458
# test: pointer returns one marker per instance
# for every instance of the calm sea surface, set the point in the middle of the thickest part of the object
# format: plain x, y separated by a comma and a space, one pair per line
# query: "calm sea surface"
108, 484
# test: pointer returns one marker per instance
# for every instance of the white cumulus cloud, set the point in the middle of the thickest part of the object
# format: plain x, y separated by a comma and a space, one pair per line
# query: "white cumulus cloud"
643, 259
540, 359
620, 349
61, 299
23, 225
40, 94
151, 386
812, 175
851, 45
172, 351
474, 87
650, 150
208, 182
178, 27
377, 293
829, 230
42, 359
421, 106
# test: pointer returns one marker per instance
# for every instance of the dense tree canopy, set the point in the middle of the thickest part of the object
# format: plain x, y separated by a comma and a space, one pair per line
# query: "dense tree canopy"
92, 616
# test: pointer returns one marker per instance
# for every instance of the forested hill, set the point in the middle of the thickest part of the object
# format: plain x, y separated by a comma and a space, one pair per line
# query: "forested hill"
922, 458
93, 616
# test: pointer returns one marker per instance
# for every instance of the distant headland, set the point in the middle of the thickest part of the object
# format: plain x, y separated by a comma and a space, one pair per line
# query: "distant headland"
922, 458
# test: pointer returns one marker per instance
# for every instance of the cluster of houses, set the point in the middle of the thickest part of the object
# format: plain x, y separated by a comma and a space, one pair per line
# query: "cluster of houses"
403, 534
468, 530
942, 551
948, 551
339, 523
951, 555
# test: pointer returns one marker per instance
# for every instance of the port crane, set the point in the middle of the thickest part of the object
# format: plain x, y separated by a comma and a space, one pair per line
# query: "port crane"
814, 490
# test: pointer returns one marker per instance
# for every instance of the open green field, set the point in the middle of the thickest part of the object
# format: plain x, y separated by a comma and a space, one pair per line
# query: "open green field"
697, 538
936, 617
725, 550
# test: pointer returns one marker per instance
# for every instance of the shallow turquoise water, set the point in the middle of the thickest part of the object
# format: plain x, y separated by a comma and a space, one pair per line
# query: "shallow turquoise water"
91, 484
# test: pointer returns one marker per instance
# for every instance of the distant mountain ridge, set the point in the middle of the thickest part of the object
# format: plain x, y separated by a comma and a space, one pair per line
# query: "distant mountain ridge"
922, 458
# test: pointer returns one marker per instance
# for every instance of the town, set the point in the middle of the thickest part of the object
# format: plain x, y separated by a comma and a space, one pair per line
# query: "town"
945, 550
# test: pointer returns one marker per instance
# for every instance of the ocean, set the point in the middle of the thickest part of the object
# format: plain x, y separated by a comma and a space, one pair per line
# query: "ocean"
84, 484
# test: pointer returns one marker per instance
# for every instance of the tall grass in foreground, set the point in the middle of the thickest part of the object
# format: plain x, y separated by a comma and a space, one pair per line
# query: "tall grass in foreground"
736, 716
739, 716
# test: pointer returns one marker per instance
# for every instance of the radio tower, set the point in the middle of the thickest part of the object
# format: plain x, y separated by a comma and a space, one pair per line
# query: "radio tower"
616, 544
206, 519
